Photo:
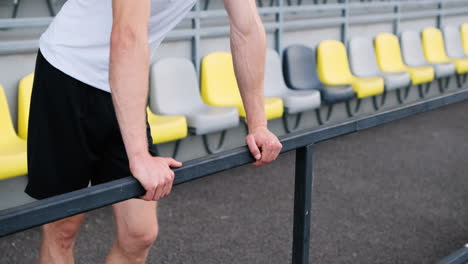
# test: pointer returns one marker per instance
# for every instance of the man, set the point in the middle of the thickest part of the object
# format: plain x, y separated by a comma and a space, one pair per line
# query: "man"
87, 118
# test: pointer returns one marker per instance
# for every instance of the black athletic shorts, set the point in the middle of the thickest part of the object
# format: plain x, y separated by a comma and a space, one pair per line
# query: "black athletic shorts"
74, 137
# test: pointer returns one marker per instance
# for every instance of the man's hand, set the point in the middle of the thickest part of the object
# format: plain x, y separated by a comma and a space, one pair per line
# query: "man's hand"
154, 174
263, 145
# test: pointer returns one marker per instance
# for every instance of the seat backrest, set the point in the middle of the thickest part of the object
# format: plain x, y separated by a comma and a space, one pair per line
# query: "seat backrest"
24, 101
174, 87
388, 52
7, 131
332, 63
453, 42
300, 68
273, 80
464, 35
433, 45
218, 81
362, 57
411, 48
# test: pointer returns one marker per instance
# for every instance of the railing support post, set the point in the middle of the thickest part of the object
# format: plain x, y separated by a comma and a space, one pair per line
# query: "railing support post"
302, 205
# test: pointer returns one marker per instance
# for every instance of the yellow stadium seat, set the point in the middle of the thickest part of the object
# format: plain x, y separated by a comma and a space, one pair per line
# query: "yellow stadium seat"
389, 59
464, 35
434, 50
333, 69
166, 128
24, 99
13, 159
219, 86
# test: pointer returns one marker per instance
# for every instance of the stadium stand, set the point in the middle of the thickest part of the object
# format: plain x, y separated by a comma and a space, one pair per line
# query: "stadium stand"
364, 64
295, 101
389, 58
435, 52
300, 73
219, 86
172, 95
333, 69
13, 160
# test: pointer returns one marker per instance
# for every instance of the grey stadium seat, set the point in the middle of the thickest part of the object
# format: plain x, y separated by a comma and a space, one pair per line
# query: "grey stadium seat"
300, 73
294, 101
453, 42
175, 91
364, 64
413, 55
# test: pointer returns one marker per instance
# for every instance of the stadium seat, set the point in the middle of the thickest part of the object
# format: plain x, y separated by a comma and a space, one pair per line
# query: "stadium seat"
333, 69
294, 101
300, 73
364, 64
172, 95
219, 86
434, 50
453, 42
464, 34
387, 49
13, 158
166, 128
413, 55
24, 99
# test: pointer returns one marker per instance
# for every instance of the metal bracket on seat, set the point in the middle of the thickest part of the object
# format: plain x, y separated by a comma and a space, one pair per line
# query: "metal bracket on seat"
424, 89
461, 79
220, 145
15, 8
287, 127
443, 86
376, 103
318, 113
154, 148
349, 109
402, 98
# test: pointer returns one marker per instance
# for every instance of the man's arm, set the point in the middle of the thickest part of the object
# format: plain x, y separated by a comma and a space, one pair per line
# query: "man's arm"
248, 46
128, 77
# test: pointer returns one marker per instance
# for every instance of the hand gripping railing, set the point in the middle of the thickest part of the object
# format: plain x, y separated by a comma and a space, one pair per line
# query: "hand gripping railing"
61, 206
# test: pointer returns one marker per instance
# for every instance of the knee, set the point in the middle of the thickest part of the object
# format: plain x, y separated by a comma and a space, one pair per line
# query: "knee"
136, 239
63, 234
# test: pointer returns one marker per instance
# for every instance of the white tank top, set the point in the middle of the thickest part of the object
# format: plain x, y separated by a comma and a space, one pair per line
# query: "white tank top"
77, 42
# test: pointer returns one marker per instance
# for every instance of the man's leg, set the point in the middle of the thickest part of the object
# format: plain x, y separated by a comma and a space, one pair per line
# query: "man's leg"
137, 229
58, 240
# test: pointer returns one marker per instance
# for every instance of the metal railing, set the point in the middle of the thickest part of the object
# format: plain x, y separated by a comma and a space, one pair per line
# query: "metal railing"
61, 206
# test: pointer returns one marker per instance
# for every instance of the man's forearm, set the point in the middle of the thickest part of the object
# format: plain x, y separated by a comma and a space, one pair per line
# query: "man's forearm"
248, 45
129, 69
